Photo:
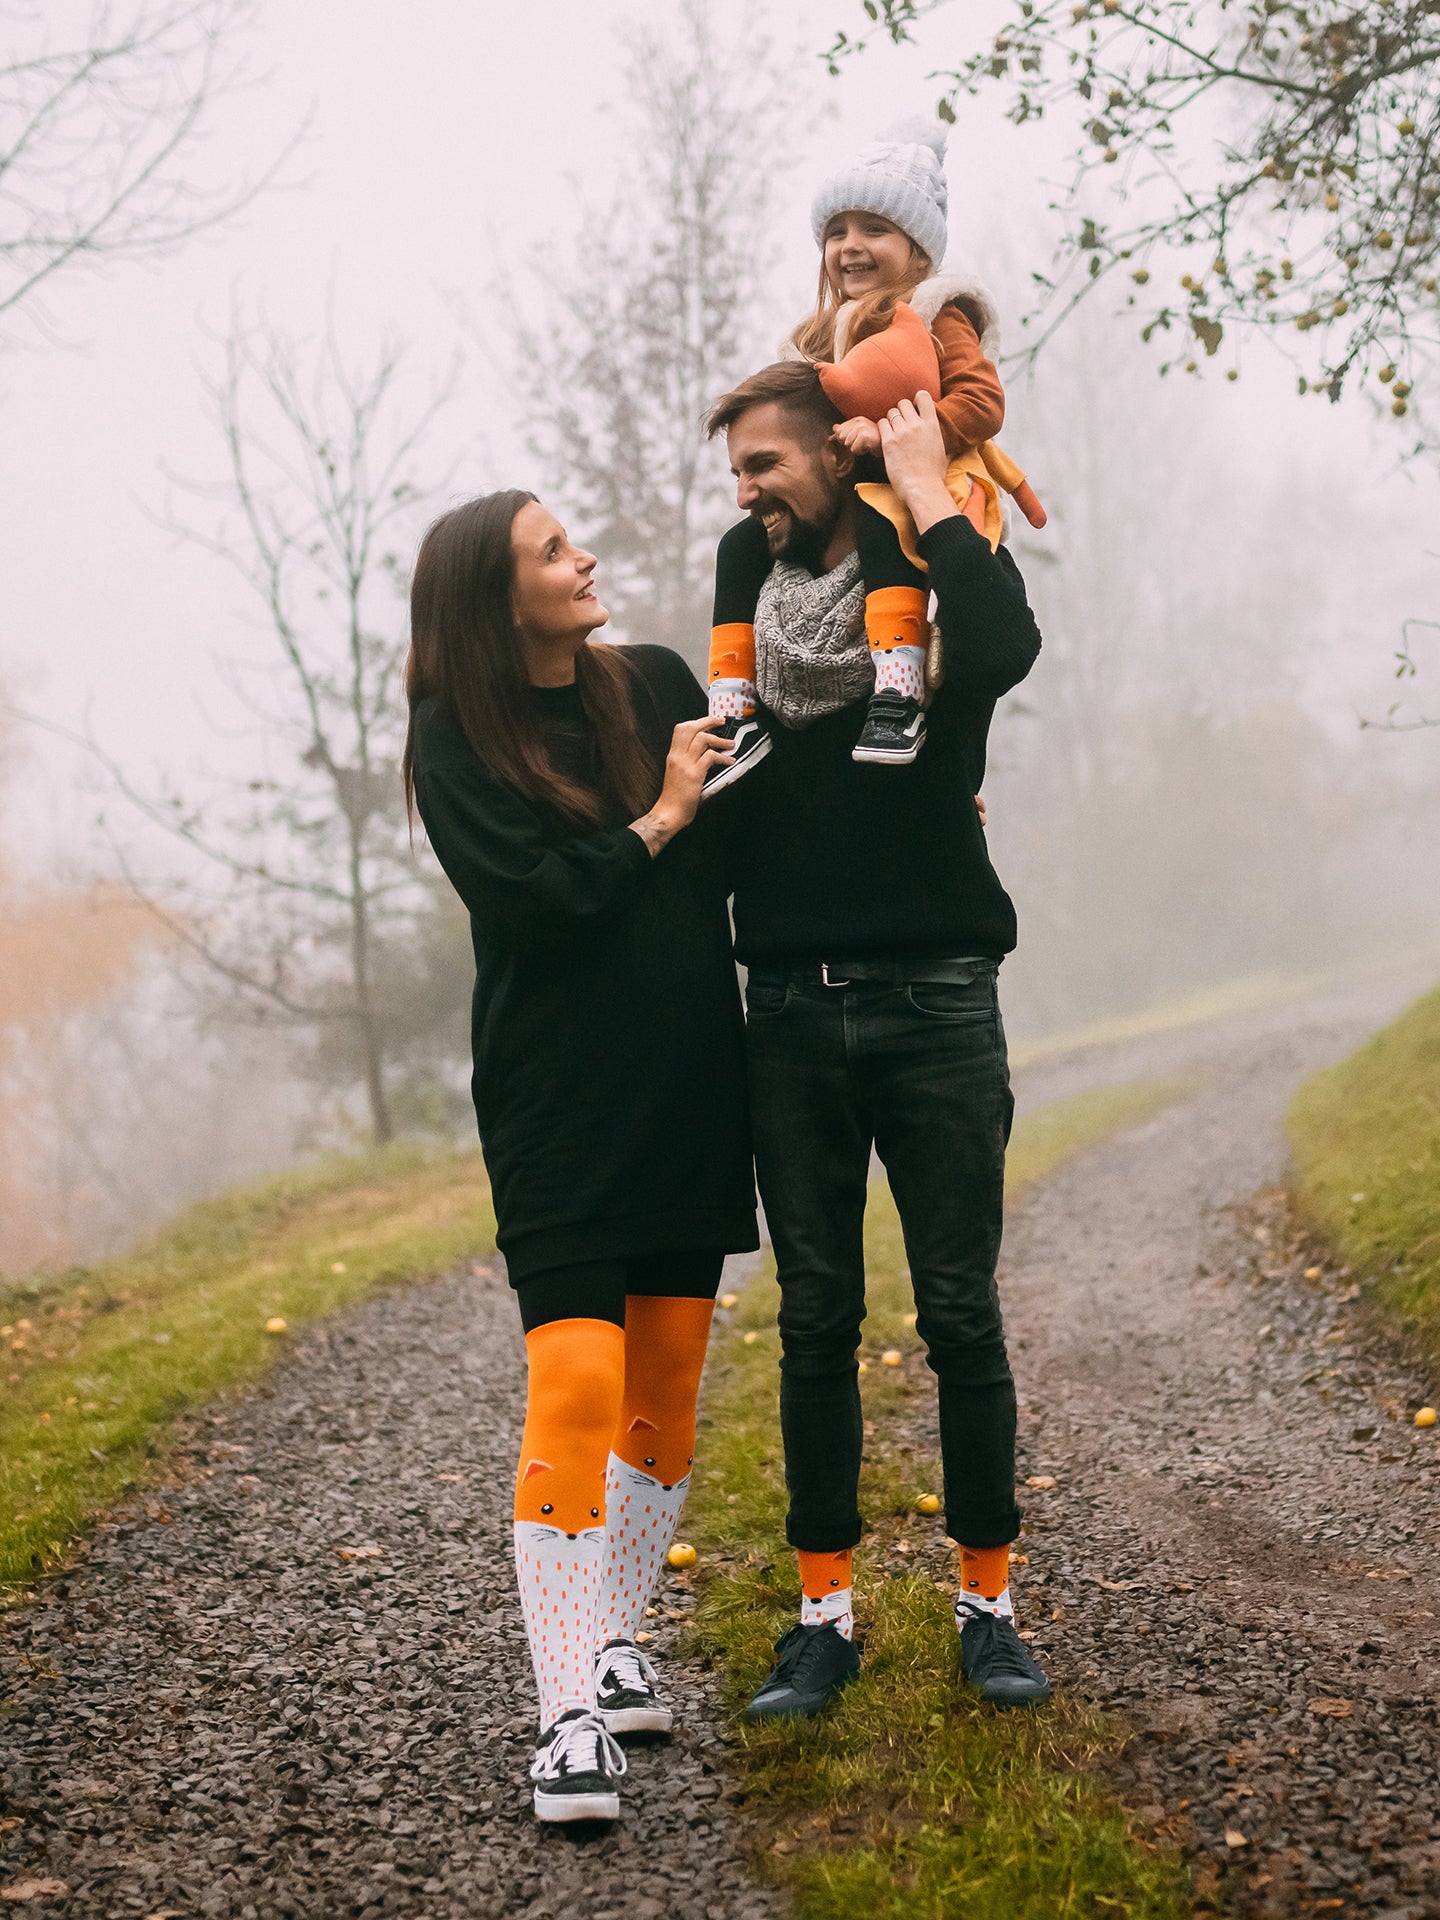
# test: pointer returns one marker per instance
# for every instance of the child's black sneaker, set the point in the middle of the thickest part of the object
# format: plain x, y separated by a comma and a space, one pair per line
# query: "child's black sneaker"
625, 1696
996, 1660
749, 741
894, 730
576, 1766
813, 1664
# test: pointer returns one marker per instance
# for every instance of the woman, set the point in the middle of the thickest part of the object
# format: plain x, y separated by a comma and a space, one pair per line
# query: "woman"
557, 777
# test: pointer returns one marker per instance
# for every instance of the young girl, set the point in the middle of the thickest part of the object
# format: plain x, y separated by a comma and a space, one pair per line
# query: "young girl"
884, 328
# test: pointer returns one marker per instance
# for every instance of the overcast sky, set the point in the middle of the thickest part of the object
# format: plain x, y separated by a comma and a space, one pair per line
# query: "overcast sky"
445, 138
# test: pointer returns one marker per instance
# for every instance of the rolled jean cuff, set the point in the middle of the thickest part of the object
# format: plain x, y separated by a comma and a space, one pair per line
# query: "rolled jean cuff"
820, 1539
976, 1529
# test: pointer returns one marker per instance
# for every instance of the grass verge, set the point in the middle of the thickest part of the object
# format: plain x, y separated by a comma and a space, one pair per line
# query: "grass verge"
1365, 1137
95, 1363
907, 1799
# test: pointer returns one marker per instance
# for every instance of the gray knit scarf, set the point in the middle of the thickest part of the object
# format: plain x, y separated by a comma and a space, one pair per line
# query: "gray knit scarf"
811, 654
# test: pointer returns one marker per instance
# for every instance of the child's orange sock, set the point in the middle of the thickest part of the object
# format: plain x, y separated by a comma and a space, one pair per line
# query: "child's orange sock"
984, 1582
897, 628
732, 670
826, 1591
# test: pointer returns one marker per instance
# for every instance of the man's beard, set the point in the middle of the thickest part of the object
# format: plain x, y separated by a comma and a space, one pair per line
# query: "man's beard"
802, 542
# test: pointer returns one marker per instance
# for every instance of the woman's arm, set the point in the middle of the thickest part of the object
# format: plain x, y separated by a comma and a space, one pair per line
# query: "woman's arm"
497, 857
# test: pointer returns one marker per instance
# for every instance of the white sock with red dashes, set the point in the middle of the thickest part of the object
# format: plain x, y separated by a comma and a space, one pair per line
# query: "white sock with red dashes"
641, 1516
559, 1577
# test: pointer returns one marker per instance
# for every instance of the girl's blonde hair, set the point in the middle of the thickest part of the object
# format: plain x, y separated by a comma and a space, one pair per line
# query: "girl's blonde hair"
873, 312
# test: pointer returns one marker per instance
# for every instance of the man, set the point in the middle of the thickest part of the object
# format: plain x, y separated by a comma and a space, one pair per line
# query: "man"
873, 925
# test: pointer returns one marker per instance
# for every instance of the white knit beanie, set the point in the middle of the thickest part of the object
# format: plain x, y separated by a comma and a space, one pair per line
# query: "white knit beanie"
902, 178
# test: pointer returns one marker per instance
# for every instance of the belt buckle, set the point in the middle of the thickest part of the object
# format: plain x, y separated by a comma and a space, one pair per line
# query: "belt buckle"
825, 977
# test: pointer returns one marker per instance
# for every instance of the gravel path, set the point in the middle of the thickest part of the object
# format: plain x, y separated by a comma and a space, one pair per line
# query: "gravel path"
219, 1715
1240, 1552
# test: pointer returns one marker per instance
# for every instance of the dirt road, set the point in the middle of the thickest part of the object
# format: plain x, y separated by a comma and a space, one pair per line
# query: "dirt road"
1241, 1552
221, 1714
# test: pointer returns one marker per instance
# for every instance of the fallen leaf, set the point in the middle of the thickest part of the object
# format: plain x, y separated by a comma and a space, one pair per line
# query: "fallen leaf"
1041, 1482
910, 1319
360, 1553
1333, 1709
34, 1890
728, 1300
891, 1357
643, 1639
1312, 1273
1115, 1586
749, 1339
166, 1913
1234, 1838
455, 1479
10, 1823
275, 1324
337, 1266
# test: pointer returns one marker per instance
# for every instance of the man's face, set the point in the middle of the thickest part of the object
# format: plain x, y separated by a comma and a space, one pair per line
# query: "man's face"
792, 482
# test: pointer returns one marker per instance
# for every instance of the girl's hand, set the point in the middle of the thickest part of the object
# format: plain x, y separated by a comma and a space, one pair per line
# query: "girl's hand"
859, 435
695, 747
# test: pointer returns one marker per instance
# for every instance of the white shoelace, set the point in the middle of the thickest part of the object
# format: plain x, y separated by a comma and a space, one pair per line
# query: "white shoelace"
628, 1666
579, 1746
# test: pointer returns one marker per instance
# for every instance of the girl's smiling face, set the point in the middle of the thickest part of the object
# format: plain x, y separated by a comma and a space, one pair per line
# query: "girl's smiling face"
865, 253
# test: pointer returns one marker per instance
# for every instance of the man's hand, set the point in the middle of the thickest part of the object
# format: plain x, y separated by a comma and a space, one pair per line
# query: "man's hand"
915, 461
859, 435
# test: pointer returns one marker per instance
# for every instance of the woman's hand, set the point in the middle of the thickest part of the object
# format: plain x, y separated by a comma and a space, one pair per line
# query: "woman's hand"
859, 435
695, 747
915, 460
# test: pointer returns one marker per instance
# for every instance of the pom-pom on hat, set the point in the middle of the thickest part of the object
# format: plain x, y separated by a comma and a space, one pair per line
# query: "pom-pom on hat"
902, 178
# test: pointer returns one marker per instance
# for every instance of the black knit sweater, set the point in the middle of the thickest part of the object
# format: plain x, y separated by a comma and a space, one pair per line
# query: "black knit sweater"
833, 859
609, 1074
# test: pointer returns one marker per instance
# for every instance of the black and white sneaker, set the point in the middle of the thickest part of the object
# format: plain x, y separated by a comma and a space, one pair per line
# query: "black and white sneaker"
814, 1663
996, 1660
625, 1696
576, 1766
894, 730
749, 741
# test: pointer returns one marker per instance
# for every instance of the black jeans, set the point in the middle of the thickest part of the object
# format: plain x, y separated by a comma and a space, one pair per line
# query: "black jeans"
920, 1071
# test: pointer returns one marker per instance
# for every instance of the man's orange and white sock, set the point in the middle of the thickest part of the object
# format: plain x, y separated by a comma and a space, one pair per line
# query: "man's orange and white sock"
827, 1596
984, 1583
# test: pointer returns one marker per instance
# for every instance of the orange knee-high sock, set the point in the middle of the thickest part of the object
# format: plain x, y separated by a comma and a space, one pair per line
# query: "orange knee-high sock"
985, 1578
826, 1597
650, 1452
577, 1378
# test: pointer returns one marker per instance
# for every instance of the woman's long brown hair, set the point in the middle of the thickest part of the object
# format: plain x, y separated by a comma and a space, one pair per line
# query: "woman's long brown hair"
873, 312
466, 651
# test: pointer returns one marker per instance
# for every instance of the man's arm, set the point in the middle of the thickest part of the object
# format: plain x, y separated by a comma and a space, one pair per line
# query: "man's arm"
991, 639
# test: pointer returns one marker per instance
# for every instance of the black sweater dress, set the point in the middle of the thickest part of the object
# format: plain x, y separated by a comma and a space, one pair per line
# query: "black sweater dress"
609, 1071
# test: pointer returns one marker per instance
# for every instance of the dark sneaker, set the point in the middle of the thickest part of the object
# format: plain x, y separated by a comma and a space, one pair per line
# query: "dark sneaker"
576, 1767
749, 741
894, 730
625, 1696
813, 1664
996, 1661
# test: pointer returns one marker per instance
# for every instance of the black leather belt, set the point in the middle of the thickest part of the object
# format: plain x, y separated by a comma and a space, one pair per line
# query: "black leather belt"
941, 972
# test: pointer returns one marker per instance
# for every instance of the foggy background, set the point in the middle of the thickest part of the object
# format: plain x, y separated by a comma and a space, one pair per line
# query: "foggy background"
488, 230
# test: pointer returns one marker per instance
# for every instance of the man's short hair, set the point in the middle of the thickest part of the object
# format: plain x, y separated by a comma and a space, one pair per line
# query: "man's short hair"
792, 385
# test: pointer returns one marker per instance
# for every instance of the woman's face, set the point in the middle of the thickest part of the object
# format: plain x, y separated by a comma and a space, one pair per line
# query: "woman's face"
553, 595
865, 253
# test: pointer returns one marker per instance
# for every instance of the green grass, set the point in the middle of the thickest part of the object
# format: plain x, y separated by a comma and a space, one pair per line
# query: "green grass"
907, 1800
95, 1363
1365, 1136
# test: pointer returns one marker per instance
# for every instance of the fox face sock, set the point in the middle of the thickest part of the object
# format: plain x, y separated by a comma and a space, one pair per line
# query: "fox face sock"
984, 1583
649, 1468
827, 1591
732, 671
576, 1380
901, 669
